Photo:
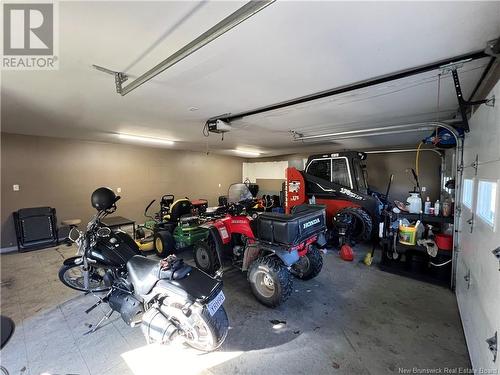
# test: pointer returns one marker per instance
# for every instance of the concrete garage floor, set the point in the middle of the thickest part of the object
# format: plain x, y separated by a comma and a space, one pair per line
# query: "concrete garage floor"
351, 319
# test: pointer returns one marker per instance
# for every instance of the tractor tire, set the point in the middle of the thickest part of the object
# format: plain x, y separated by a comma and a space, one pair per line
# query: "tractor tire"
164, 243
270, 280
361, 226
205, 256
310, 265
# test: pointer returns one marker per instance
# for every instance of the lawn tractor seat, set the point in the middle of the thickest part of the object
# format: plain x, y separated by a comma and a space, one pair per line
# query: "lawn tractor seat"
165, 204
179, 208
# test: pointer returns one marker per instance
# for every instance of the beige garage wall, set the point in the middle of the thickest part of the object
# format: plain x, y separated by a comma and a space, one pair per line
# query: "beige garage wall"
62, 173
380, 167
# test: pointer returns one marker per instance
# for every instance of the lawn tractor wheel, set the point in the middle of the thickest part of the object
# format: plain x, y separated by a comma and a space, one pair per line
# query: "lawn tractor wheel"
164, 243
270, 280
356, 222
309, 266
205, 256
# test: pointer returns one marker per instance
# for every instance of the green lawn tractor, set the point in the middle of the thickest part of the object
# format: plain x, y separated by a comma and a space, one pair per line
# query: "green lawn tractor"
174, 227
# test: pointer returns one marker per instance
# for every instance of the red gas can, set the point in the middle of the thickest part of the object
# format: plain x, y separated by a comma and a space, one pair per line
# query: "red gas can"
444, 241
346, 253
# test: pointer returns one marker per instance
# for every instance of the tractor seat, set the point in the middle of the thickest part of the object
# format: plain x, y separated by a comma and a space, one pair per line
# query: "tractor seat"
143, 273
179, 208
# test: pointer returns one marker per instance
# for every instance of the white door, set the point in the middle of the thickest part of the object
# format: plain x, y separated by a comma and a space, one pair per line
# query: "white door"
478, 271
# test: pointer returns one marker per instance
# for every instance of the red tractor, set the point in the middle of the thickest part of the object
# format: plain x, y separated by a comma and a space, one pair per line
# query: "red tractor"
271, 247
338, 181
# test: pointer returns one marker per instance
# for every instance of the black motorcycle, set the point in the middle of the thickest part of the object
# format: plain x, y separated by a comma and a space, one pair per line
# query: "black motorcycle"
170, 300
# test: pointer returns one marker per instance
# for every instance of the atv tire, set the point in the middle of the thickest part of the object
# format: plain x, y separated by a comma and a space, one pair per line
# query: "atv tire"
361, 226
310, 265
164, 243
270, 280
205, 256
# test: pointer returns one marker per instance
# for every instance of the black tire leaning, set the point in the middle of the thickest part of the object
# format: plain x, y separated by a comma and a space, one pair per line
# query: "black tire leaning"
206, 257
167, 243
280, 275
362, 223
314, 262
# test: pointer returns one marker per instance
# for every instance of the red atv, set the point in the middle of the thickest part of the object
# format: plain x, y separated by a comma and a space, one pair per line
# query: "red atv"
271, 247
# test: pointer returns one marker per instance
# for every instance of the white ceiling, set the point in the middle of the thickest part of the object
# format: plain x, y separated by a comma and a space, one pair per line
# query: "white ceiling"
287, 50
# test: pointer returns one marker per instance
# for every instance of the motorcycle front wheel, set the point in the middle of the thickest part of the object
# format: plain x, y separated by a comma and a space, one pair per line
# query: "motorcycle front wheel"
73, 276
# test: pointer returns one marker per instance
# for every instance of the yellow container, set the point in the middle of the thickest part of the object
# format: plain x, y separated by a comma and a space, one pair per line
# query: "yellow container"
407, 235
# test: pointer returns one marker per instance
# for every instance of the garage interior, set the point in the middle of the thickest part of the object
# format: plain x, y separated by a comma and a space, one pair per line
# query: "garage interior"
190, 98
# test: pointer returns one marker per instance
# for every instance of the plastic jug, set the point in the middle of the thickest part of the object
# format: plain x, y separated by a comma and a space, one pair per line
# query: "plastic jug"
427, 206
414, 203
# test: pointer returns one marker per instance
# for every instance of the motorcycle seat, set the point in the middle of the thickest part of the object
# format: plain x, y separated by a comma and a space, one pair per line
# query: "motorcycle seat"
143, 273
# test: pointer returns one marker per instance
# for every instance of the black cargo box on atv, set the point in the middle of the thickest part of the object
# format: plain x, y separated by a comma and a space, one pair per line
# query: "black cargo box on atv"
291, 229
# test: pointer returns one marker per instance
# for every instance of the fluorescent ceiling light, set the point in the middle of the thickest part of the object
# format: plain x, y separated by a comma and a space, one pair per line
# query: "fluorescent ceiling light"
138, 138
247, 152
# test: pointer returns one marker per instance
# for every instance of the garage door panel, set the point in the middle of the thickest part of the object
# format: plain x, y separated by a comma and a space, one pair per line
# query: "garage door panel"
478, 275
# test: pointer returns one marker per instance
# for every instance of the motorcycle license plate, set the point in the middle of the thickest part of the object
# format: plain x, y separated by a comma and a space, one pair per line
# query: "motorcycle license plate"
217, 302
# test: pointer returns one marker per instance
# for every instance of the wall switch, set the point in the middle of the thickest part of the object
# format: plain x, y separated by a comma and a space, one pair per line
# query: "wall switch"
15, 187
220, 185
118, 190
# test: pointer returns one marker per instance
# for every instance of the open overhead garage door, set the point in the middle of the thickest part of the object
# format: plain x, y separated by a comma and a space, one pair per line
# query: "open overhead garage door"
478, 273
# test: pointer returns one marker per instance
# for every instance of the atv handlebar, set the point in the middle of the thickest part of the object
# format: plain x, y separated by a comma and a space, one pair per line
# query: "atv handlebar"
237, 208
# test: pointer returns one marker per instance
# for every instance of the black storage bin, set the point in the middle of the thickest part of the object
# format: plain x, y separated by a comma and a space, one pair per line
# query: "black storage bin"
442, 272
291, 229
416, 262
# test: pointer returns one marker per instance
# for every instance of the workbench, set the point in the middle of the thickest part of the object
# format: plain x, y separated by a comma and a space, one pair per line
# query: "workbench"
413, 260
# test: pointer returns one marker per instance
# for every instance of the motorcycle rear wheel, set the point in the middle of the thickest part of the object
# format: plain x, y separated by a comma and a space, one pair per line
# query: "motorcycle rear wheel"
200, 330
73, 277
217, 327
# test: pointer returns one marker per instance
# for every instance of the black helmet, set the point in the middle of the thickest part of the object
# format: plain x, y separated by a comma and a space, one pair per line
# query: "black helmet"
103, 199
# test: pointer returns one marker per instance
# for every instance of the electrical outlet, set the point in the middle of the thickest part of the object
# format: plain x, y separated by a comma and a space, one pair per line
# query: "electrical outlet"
15, 187
118, 190
424, 189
